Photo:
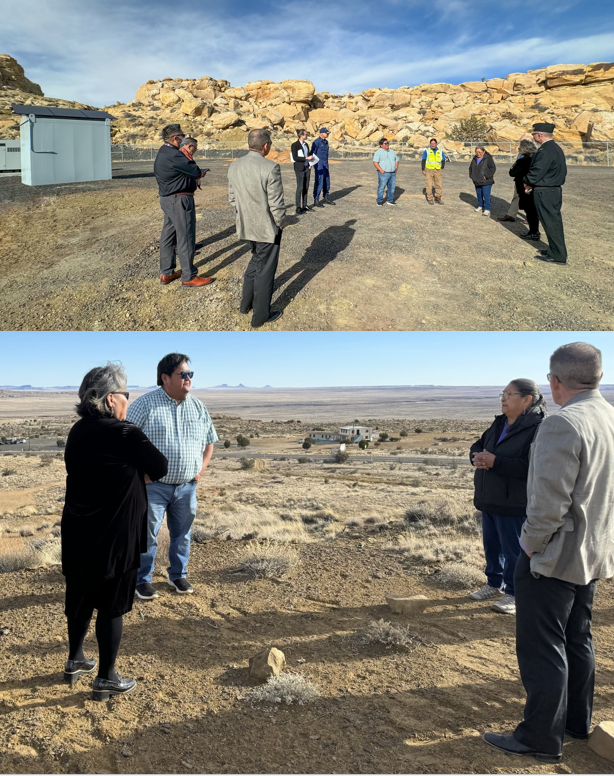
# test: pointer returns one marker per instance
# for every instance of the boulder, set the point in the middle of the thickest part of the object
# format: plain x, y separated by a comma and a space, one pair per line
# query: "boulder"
564, 75
475, 86
583, 122
505, 130
382, 100
208, 93
192, 106
224, 120
168, 97
324, 116
269, 662
568, 136
402, 98
352, 127
292, 111
601, 740
463, 112
298, 91
237, 93
145, 93
367, 130
269, 92
407, 604
599, 71
433, 89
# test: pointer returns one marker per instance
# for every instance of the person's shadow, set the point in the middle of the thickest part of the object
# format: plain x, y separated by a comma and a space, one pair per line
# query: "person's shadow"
499, 207
325, 248
398, 193
335, 195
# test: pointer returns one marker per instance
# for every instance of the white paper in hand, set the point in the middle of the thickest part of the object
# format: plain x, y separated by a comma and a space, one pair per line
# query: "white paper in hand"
314, 161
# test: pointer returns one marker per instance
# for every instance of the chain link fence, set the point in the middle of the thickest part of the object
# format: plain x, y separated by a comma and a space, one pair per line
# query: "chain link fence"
590, 153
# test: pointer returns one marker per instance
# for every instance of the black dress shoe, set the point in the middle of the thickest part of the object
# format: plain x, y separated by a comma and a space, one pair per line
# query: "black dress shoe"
545, 253
509, 745
274, 316
298, 211
329, 201
104, 688
530, 235
549, 259
245, 312
74, 668
307, 208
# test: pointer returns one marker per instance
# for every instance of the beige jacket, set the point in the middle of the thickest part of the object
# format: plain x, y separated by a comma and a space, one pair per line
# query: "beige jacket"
256, 192
570, 511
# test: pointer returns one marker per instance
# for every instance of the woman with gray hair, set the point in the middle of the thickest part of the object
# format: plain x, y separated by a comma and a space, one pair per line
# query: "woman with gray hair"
525, 199
501, 460
104, 523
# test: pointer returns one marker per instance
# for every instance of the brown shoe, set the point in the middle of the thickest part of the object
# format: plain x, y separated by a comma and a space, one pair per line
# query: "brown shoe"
507, 218
164, 279
196, 282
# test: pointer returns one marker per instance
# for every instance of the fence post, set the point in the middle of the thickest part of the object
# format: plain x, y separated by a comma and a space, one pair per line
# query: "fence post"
607, 152
122, 152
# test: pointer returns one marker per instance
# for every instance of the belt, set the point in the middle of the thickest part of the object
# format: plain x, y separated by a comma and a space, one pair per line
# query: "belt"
546, 187
181, 193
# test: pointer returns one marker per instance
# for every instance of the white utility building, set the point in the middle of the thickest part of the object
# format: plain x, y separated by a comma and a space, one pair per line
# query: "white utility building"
10, 155
64, 145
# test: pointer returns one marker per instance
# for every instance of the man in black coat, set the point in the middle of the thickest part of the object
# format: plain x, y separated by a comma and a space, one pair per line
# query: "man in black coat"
546, 176
299, 152
177, 178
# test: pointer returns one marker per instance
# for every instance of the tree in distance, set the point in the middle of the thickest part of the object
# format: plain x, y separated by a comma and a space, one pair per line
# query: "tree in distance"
306, 444
403, 433
60, 442
467, 130
243, 441
363, 444
417, 431
341, 456
383, 436
227, 443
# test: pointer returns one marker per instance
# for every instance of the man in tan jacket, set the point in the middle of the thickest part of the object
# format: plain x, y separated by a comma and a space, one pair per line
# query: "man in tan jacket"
568, 543
255, 190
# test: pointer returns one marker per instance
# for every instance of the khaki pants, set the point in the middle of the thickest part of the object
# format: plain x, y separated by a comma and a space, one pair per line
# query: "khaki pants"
433, 178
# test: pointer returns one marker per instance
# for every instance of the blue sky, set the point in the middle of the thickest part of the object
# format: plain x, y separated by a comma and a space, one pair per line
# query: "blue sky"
295, 359
99, 52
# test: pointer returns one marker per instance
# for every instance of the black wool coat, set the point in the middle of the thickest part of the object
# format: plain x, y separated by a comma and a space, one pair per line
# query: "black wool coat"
483, 174
502, 490
519, 169
104, 522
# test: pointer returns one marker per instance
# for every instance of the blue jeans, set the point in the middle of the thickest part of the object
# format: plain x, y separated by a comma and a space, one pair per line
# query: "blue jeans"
501, 547
386, 179
483, 193
321, 184
179, 503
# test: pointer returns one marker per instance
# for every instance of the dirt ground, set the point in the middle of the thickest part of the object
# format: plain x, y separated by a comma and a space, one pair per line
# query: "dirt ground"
415, 709
85, 257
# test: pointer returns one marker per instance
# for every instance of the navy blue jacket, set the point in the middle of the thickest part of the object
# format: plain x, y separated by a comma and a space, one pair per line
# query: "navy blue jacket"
320, 149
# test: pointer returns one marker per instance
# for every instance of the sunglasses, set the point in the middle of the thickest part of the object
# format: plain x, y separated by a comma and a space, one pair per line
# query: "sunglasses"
185, 375
122, 393
385, 143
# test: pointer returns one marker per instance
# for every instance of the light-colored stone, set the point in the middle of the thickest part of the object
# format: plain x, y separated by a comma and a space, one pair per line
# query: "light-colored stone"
268, 662
474, 86
293, 111
568, 136
324, 116
352, 127
192, 106
583, 122
564, 75
407, 604
601, 740
224, 120
599, 71
168, 97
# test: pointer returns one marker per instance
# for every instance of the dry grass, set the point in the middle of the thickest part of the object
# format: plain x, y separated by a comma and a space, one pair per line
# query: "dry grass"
383, 632
449, 510
250, 522
268, 559
253, 464
48, 551
26, 530
285, 688
16, 555
438, 548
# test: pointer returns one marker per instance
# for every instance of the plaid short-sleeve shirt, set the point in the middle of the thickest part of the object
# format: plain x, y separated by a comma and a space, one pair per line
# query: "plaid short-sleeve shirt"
179, 431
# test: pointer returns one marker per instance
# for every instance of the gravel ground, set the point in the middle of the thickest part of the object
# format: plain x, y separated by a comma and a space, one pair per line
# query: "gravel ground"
87, 259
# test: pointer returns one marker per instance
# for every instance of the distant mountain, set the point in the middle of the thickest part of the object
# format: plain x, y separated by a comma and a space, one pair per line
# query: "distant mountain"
225, 385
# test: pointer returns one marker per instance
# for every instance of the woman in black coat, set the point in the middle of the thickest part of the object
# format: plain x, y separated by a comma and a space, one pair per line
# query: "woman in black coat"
525, 200
104, 523
501, 460
482, 172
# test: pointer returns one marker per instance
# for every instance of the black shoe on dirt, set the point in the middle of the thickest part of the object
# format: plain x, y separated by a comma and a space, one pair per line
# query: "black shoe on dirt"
146, 591
181, 585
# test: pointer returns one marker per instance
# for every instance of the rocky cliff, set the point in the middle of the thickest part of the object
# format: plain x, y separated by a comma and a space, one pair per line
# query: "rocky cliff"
578, 99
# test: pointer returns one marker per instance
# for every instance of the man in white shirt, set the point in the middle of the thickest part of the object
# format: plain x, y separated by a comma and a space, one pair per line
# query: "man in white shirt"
299, 152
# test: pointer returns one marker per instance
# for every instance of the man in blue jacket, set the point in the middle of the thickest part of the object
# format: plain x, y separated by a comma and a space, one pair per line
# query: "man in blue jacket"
177, 178
322, 182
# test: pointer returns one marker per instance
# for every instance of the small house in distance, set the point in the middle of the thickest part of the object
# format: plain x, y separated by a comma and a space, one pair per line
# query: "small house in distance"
64, 145
347, 434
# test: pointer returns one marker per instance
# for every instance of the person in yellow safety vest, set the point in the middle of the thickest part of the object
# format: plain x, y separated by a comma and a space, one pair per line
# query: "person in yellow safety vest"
433, 162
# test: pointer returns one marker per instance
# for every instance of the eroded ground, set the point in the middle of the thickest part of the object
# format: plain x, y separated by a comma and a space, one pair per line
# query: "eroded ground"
85, 257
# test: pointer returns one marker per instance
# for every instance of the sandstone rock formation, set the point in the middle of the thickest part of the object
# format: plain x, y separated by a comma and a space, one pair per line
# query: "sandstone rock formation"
578, 99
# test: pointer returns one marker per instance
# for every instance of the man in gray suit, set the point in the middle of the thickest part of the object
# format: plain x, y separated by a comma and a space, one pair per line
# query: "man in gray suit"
568, 543
256, 191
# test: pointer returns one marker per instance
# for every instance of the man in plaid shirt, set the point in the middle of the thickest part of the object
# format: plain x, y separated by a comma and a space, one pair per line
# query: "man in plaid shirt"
180, 427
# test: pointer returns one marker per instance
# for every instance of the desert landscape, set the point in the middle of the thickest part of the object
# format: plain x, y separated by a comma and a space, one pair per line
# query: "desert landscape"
295, 551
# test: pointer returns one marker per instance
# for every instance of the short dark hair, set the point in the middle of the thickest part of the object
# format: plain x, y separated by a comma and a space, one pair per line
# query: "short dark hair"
258, 138
301, 131
383, 140
190, 141
169, 131
433, 140
169, 363
577, 365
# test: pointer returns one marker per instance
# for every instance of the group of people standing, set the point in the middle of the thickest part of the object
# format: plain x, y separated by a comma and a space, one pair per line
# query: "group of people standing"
256, 193
542, 482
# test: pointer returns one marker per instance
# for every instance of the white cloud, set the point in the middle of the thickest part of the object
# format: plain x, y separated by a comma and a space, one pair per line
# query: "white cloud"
105, 52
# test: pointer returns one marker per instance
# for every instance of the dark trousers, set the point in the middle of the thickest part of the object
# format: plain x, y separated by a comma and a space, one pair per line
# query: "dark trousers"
259, 279
178, 238
548, 204
555, 656
528, 205
500, 535
302, 186
321, 184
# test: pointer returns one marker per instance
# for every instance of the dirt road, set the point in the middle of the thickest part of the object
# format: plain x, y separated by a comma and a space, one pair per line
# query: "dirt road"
85, 257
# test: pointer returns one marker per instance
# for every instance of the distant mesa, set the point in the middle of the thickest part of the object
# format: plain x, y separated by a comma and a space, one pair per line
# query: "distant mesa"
225, 385
578, 99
